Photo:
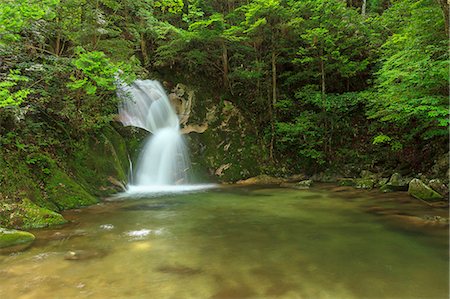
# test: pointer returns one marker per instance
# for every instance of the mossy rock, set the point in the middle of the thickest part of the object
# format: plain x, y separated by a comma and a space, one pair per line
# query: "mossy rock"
347, 182
26, 214
12, 237
262, 179
421, 191
305, 184
65, 193
100, 158
396, 183
365, 183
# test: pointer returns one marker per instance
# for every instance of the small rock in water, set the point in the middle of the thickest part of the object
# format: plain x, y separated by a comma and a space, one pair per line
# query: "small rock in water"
107, 226
139, 233
142, 233
78, 255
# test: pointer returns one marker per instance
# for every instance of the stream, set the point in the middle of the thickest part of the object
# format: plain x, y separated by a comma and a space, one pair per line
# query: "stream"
238, 242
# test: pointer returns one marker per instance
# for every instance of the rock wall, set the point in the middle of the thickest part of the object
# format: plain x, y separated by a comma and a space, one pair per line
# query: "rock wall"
36, 187
222, 142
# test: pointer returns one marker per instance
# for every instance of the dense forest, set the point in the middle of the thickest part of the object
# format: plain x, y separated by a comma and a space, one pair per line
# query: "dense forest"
322, 84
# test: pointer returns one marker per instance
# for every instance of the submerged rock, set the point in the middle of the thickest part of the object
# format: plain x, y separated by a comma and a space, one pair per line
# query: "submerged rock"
180, 270
78, 255
12, 237
421, 191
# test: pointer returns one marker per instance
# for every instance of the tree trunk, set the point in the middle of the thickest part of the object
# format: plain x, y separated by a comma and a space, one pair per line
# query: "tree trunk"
274, 78
225, 64
58, 39
445, 10
322, 73
363, 8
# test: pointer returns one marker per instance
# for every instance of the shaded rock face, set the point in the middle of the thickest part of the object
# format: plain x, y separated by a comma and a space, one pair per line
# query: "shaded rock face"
12, 237
421, 191
441, 168
222, 142
32, 193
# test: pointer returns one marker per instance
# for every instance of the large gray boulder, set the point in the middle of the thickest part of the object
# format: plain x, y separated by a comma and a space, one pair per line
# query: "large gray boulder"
419, 190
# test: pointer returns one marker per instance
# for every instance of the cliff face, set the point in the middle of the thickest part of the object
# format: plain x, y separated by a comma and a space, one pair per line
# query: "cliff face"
222, 142
36, 186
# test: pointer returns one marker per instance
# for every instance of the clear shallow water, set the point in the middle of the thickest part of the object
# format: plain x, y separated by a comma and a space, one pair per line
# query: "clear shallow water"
237, 243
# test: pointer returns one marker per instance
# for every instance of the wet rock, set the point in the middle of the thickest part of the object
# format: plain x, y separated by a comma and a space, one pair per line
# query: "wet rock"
262, 179
79, 255
421, 191
365, 183
296, 178
381, 182
306, 184
12, 237
180, 270
396, 183
439, 187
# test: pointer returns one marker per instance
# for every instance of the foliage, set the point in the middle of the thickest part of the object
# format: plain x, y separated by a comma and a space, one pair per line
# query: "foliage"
322, 83
9, 97
412, 83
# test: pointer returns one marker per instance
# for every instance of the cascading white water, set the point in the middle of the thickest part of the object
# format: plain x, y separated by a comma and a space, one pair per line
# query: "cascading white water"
164, 160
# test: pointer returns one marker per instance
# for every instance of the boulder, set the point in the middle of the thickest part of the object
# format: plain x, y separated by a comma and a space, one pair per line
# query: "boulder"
12, 237
262, 179
365, 183
396, 183
439, 187
305, 184
421, 191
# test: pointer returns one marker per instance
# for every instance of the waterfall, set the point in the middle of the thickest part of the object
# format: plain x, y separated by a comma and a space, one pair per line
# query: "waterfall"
163, 161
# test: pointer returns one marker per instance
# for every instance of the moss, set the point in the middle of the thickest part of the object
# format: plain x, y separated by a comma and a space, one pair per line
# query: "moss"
26, 214
99, 158
364, 183
229, 141
421, 191
65, 193
347, 182
11, 237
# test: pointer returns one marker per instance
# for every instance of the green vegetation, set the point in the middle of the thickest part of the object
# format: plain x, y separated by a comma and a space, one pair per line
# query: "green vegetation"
14, 237
318, 85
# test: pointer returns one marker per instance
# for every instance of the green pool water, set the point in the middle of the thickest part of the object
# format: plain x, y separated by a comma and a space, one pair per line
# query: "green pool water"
238, 243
